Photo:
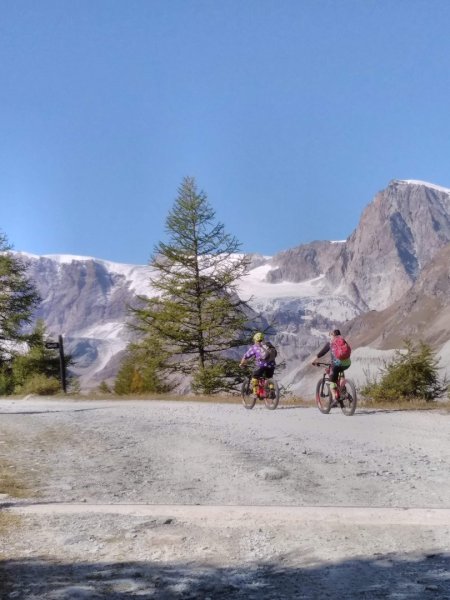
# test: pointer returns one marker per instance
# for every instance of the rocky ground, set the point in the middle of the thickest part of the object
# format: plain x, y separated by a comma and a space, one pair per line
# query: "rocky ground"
184, 500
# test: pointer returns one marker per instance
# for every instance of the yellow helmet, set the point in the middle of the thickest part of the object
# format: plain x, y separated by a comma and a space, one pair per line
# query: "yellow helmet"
258, 337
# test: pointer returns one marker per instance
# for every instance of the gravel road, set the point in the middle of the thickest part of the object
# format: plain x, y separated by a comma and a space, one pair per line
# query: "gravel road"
185, 500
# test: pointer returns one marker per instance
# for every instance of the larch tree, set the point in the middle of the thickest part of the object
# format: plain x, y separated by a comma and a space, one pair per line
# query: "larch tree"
196, 315
18, 299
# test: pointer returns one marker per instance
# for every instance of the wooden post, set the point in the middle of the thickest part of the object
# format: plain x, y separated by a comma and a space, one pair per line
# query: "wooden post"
62, 364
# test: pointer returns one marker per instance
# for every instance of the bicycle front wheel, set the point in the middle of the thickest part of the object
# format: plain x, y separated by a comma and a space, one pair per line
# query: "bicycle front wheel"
248, 399
348, 400
323, 398
272, 394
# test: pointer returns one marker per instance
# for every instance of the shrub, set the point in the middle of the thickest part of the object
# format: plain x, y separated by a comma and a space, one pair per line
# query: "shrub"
138, 373
208, 380
103, 388
40, 384
412, 374
6, 381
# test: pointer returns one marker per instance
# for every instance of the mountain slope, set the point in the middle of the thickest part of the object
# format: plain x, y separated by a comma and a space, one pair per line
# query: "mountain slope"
395, 261
86, 300
423, 312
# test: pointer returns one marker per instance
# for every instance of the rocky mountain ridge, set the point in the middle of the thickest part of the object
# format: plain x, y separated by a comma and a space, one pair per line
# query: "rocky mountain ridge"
305, 290
423, 312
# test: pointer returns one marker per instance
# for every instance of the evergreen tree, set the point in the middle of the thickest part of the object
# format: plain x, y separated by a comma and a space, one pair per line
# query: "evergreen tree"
141, 370
18, 299
412, 374
39, 368
197, 316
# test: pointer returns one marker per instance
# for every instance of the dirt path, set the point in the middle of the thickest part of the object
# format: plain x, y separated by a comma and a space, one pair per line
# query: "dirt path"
186, 500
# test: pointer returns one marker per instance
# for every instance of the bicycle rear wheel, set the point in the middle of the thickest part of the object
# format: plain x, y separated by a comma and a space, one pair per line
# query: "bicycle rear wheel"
348, 400
272, 394
248, 398
323, 397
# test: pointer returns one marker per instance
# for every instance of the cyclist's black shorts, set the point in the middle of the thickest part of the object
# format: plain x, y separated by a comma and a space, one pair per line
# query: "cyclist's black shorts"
266, 372
335, 372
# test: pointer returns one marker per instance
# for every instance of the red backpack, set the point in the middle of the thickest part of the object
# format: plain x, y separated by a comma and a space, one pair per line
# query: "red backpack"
340, 348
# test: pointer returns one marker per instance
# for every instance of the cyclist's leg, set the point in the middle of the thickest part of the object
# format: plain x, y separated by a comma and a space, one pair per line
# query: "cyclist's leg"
334, 374
268, 374
257, 373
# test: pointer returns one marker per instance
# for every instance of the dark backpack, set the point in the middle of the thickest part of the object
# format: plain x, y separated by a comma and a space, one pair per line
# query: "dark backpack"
340, 348
269, 351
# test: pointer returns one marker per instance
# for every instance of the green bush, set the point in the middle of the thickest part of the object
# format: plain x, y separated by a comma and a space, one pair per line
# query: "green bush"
74, 386
40, 384
138, 373
103, 388
412, 374
6, 380
37, 371
208, 380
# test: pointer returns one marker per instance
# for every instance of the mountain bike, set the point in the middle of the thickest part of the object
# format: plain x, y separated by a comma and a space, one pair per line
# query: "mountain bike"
268, 391
346, 392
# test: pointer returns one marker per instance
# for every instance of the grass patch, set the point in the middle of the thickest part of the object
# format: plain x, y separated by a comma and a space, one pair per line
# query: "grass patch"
17, 476
8, 522
11, 482
212, 399
443, 406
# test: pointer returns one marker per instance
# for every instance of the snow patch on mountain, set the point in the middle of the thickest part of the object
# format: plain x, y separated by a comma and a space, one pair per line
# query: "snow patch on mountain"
432, 186
112, 330
137, 277
255, 284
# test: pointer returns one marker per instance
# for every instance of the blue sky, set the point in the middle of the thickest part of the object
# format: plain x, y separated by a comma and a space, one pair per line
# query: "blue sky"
290, 115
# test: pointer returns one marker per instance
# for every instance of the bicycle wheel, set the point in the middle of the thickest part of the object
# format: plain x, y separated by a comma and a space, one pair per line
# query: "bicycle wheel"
347, 400
272, 394
323, 397
248, 399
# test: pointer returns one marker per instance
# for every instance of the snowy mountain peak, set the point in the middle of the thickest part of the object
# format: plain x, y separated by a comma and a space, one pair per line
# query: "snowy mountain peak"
432, 186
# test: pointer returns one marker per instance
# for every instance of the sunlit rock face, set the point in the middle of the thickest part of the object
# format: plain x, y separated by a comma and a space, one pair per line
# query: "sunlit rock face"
400, 231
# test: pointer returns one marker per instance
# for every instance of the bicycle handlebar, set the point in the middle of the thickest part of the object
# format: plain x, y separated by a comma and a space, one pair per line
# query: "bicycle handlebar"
322, 364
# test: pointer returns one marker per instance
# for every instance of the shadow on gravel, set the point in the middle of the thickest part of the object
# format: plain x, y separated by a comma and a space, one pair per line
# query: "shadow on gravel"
382, 576
292, 407
51, 412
